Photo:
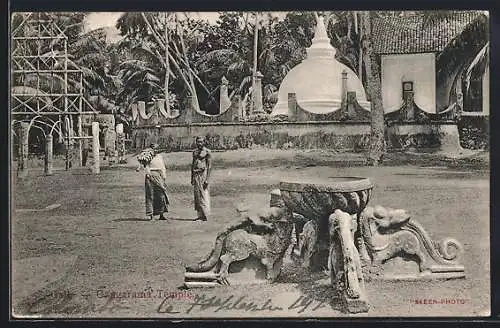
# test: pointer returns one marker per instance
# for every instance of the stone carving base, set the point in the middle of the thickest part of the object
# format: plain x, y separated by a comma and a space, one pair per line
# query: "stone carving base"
389, 234
251, 251
312, 247
333, 248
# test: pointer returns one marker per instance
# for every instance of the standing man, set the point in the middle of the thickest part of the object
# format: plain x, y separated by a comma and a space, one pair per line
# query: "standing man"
155, 182
200, 175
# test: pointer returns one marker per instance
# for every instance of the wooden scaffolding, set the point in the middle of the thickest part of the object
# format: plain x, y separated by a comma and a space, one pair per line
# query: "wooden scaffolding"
47, 87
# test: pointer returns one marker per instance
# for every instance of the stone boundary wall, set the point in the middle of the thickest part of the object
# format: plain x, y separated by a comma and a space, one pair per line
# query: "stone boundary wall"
347, 129
474, 132
416, 135
331, 135
350, 136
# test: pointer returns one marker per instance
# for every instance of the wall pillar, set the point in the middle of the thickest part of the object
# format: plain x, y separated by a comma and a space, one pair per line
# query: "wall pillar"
80, 141
69, 142
95, 148
48, 167
224, 101
160, 106
351, 104
257, 94
344, 105
344, 85
236, 108
23, 134
120, 142
292, 107
110, 143
86, 148
135, 112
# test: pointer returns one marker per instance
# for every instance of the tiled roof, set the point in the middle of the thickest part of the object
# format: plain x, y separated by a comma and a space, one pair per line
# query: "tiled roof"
409, 34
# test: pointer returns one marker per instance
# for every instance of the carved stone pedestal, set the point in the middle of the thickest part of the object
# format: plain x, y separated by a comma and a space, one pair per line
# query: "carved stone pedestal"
331, 208
312, 246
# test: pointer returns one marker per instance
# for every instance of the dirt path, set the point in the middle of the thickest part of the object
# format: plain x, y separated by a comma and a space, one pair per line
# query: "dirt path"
97, 224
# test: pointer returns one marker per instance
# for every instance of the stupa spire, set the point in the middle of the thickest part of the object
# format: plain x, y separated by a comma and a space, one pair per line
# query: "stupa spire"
320, 33
320, 46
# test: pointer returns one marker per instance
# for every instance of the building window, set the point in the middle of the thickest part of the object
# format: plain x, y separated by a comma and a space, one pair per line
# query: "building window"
407, 86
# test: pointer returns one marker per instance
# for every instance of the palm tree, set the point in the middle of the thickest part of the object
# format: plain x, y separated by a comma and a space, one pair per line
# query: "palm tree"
232, 56
143, 34
140, 81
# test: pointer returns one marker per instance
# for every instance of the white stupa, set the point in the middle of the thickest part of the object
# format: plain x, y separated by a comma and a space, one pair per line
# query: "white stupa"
317, 81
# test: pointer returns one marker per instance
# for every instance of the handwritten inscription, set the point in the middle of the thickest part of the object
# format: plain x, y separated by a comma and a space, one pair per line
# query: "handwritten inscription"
233, 303
442, 301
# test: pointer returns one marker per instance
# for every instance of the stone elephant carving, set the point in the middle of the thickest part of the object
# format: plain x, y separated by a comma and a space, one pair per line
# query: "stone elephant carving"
388, 233
265, 235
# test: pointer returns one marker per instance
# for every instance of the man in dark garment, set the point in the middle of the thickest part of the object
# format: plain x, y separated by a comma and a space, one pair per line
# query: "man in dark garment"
155, 182
200, 175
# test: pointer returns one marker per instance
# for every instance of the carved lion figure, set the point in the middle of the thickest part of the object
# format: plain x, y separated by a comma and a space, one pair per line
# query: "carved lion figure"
388, 233
266, 235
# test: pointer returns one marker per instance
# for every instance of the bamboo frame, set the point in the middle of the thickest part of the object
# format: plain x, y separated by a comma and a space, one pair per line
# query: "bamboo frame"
27, 58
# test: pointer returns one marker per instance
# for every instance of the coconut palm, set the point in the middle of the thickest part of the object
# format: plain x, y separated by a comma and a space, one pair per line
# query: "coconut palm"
228, 53
140, 81
183, 37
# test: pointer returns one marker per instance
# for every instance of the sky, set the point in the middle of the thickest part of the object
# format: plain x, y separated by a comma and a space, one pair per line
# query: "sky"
107, 19
103, 19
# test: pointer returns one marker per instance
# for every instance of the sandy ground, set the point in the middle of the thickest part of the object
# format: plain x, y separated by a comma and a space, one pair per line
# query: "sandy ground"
65, 260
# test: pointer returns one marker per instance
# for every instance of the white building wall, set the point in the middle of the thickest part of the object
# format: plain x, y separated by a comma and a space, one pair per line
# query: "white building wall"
418, 68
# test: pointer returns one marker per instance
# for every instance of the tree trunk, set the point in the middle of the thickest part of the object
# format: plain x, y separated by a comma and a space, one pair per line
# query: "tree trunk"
377, 140
255, 43
162, 43
167, 67
172, 59
196, 103
255, 54
359, 30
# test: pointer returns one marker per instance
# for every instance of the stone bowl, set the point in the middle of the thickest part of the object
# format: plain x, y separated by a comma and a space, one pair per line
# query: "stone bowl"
318, 199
